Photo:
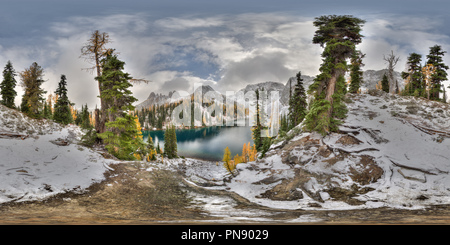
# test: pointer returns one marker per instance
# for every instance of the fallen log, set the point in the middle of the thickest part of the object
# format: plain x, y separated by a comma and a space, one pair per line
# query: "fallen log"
431, 131
413, 168
7, 135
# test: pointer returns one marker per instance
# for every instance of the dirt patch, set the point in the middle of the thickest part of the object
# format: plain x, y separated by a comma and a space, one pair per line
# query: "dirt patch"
348, 140
128, 194
132, 195
367, 171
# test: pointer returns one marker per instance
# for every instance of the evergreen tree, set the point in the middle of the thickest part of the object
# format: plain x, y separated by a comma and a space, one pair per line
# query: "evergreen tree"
338, 35
7, 86
256, 129
82, 118
62, 113
115, 87
284, 125
32, 100
151, 149
267, 141
415, 84
47, 113
150, 144
94, 51
85, 121
385, 84
127, 142
158, 149
122, 137
297, 103
170, 142
356, 72
439, 70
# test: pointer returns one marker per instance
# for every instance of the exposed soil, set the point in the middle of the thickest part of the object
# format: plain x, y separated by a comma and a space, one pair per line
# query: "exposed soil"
130, 195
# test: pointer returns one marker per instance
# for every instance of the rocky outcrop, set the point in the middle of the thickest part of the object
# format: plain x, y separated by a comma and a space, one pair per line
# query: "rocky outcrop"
390, 151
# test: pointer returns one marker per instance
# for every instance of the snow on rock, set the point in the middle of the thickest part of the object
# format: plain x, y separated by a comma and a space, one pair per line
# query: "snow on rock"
45, 163
391, 151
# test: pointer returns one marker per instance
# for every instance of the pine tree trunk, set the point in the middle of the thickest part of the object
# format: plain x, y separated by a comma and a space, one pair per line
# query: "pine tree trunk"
331, 89
97, 119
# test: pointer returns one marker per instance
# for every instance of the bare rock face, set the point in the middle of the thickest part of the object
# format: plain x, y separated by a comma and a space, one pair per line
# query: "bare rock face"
322, 170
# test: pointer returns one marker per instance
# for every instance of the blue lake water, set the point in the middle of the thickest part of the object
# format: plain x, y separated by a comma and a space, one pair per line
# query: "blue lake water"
206, 143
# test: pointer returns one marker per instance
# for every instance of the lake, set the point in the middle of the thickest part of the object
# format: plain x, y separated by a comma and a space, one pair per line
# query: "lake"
206, 143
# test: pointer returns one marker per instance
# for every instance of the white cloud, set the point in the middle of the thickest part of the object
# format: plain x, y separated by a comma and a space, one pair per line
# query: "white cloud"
226, 51
403, 35
177, 24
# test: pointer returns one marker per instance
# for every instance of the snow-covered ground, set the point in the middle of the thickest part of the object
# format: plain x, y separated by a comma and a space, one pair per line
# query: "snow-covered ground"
41, 165
393, 131
415, 164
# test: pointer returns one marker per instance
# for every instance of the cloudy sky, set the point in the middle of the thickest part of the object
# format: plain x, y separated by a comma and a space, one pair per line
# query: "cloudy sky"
226, 44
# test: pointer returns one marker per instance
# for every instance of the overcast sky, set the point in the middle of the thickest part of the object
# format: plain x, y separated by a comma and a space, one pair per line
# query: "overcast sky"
226, 44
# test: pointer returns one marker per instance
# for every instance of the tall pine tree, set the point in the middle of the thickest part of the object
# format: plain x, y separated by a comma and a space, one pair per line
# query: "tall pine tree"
297, 103
256, 129
439, 73
7, 86
62, 113
356, 72
170, 142
385, 83
414, 77
338, 35
122, 135
32, 100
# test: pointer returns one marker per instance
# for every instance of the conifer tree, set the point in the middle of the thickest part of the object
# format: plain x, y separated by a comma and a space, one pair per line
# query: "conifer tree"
122, 137
256, 129
237, 159
126, 142
385, 84
338, 35
173, 136
284, 128
116, 93
414, 77
245, 152
227, 160
170, 142
297, 103
94, 51
85, 122
7, 86
32, 100
356, 72
150, 144
439, 70
62, 113
47, 113
226, 155
158, 149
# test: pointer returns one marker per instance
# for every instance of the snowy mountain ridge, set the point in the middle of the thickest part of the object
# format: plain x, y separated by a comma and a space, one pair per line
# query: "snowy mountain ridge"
370, 79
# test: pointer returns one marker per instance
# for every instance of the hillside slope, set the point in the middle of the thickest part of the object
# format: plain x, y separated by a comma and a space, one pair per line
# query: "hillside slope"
40, 159
391, 152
